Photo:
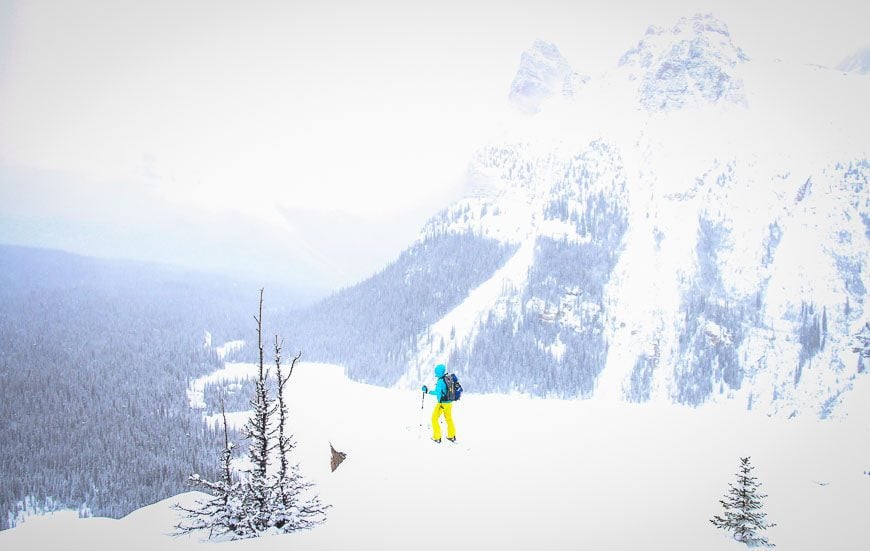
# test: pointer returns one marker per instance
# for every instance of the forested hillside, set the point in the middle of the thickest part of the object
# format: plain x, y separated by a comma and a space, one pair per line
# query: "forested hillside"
372, 327
95, 358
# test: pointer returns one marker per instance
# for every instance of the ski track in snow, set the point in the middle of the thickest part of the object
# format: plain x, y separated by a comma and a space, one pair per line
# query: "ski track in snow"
531, 473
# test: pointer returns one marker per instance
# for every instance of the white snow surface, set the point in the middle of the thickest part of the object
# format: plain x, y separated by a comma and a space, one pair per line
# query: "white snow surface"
531, 474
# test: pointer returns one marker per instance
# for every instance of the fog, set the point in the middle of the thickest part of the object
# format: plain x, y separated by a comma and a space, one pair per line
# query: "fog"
182, 132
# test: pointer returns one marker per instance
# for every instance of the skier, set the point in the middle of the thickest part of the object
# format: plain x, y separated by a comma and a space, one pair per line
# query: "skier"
443, 406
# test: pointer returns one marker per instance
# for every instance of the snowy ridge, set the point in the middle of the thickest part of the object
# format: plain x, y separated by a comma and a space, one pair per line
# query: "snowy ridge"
504, 201
457, 328
579, 477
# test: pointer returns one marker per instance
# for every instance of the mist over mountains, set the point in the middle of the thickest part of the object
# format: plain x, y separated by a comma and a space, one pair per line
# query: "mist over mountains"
311, 251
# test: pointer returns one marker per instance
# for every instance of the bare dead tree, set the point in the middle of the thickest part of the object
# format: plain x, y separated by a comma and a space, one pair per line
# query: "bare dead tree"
257, 427
285, 441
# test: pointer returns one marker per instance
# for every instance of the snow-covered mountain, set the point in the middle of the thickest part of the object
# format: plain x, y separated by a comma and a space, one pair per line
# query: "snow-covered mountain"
692, 227
689, 64
543, 73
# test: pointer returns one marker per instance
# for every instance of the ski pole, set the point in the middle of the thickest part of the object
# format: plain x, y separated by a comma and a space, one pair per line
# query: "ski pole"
423, 401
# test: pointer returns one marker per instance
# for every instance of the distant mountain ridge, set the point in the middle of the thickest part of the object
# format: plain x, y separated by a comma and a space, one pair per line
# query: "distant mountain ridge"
543, 73
680, 247
690, 63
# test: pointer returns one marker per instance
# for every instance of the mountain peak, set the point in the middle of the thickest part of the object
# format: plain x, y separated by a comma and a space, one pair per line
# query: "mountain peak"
543, 73
690, 64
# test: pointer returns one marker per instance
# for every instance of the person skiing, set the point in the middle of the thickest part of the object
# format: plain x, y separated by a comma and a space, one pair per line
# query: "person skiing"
444, 406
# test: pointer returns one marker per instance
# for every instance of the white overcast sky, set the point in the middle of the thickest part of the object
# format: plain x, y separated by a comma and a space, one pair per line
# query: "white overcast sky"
364, 107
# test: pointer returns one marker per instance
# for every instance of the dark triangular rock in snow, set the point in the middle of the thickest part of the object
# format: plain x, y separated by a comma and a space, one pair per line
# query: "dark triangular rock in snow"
337, 457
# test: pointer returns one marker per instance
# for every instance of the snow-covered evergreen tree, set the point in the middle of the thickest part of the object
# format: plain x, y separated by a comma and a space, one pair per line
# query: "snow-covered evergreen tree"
290, 509
742, 505
262, 500
222, 514
258, 486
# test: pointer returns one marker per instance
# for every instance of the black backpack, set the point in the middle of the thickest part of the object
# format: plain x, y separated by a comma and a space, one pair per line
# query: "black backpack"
452, 388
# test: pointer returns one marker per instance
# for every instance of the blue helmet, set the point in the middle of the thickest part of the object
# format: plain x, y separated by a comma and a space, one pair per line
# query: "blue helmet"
440, 369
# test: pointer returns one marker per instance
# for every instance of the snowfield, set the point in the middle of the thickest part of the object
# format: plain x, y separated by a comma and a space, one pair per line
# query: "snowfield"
532, 474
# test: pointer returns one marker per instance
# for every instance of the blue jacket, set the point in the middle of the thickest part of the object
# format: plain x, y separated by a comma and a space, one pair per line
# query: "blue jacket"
441, 386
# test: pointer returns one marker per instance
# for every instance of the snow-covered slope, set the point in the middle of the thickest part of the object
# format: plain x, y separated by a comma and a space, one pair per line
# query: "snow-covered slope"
692, 226
546, 474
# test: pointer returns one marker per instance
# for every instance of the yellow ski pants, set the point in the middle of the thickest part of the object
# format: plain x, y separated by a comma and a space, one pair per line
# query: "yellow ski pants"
447, 410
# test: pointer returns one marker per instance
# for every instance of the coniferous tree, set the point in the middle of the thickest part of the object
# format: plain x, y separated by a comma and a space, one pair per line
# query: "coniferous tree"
290, 509
263, 500
285, 441
222, 513
742, 505
257, 431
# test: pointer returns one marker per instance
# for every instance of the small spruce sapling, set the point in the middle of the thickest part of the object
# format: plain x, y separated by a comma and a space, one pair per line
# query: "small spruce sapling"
742, 505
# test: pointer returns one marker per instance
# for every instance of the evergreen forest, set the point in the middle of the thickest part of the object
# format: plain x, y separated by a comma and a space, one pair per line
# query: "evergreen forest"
95, 360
